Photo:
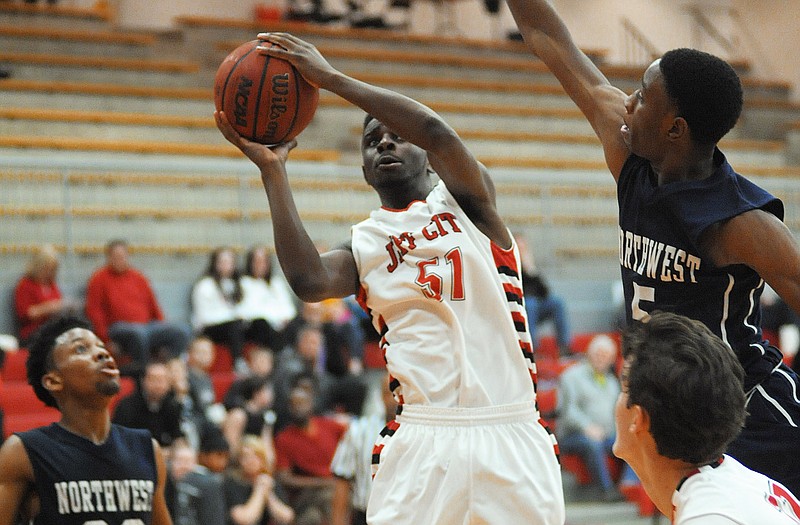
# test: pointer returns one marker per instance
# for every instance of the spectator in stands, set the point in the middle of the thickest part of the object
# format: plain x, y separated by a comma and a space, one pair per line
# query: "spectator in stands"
338, 362
199, 359
339, 393
194, 494
37, 296
268, 304
250, 495
215, 302
540, 303
124, 310
256, 417
192, 417
352, 462
260, 362
304, 450
587, 392
4, 73
682, 403
215, 453
344, 338
152, 405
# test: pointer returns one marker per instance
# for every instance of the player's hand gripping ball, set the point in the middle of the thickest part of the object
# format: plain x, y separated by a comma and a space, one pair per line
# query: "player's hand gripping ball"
265, 99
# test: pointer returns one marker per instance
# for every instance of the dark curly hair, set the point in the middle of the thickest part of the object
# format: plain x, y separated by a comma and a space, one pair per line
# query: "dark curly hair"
689, 382
705, 89
40, 352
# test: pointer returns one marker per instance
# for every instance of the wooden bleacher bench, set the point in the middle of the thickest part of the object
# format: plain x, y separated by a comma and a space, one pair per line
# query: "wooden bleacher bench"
364, 34
132, 64
107, 89
106, 117
432, 82
58, 10
326, 99
150, 147
77, 35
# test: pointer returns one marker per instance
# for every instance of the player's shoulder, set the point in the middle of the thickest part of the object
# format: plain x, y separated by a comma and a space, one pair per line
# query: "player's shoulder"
14, 461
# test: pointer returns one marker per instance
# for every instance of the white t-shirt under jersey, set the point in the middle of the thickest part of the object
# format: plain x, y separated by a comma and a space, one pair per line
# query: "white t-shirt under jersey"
448, 303
730, 493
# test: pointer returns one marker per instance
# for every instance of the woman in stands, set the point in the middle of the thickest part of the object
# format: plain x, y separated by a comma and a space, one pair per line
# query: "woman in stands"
37, 296
215, 298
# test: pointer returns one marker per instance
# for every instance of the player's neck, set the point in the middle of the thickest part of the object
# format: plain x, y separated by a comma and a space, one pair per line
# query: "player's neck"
400, 197
92, 425
660, 477
696, 163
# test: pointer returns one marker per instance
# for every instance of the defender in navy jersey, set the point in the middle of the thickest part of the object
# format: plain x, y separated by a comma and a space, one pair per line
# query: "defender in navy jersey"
439, 273
82, 469
694, 237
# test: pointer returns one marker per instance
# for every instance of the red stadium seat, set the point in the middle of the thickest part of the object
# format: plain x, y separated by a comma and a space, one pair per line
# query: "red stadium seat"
223, 362
222, 382
21, 422
14, 367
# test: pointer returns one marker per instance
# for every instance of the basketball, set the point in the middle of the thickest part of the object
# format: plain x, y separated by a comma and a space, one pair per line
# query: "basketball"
265, 99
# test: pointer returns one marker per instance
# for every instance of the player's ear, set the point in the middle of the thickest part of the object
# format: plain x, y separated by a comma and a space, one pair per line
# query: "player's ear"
640, 422
679, 128
52, 381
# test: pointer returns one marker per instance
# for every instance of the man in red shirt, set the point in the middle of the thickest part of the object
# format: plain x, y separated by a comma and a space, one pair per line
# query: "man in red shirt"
304, 450
124, 310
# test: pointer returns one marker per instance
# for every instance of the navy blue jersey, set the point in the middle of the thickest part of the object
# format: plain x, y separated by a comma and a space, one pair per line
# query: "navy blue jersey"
79, 482
663, 267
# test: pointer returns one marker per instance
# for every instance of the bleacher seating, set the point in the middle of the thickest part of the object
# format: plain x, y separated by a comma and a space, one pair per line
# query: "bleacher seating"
85, 106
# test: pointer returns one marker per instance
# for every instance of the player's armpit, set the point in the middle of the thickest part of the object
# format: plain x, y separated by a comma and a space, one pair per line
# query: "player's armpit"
761, 241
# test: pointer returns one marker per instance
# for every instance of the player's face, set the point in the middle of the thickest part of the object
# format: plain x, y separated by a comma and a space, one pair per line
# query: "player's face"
389, 160
649, 116
84, 365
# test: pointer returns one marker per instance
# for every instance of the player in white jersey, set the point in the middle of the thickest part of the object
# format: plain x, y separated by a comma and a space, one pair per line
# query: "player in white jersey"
681, 404
439, 273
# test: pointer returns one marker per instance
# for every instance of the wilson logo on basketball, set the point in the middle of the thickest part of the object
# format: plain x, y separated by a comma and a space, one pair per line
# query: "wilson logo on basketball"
242, 94
277, 106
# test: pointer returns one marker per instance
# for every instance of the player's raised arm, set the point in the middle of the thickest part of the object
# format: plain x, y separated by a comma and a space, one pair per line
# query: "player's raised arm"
602, 104
311, 276
464, 176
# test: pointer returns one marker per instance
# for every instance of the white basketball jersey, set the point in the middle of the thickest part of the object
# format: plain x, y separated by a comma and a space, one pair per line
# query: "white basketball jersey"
448, 305
732, 493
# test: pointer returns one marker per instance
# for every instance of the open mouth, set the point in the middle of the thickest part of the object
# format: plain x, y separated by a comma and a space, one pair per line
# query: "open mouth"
110, 371
388, 161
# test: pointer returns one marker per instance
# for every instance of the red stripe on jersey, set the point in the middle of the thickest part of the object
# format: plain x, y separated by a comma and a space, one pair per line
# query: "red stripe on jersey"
515, 290
504, 258
519, 321
377, 449
361, 297
393, 425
